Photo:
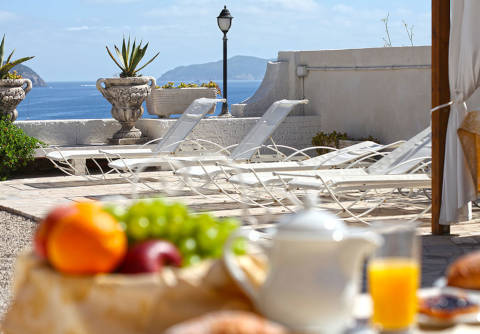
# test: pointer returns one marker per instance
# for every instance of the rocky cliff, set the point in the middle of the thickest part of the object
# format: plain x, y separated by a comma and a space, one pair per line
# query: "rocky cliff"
239, 68
28, 73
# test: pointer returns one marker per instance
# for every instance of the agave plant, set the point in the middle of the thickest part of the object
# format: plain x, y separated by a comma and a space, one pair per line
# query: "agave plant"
129, 58
6, 66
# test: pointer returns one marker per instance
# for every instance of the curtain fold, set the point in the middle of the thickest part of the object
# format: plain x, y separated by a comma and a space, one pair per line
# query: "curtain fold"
464, 71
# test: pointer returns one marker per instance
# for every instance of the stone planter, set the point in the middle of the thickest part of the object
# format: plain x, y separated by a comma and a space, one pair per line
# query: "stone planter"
164, 102
12, 92
126, 96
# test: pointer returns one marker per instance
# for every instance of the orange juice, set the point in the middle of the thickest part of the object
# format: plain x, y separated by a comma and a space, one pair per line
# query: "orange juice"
393, 284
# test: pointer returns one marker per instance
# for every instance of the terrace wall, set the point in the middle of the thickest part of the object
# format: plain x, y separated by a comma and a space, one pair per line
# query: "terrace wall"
379, 92
294, 131
382, 92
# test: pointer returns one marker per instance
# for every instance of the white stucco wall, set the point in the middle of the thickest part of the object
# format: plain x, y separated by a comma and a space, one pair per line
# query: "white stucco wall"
389, 104
296, 131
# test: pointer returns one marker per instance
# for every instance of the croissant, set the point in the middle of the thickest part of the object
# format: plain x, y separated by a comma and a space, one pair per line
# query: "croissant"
465, 272
227, 322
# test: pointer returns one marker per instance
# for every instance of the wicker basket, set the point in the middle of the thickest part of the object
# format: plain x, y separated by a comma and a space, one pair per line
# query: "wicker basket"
47, 302
165, 102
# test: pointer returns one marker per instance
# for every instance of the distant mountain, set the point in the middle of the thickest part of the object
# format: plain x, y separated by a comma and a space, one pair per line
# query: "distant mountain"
28, 73
239, 68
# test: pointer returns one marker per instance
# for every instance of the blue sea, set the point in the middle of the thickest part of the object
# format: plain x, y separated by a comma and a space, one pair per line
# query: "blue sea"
80, 100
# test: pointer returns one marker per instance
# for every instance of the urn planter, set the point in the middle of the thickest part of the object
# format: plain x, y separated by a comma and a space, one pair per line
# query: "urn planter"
12, 92
126, 96
164, 102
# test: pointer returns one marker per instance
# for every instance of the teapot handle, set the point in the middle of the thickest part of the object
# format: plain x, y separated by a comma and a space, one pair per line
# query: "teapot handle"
235, 271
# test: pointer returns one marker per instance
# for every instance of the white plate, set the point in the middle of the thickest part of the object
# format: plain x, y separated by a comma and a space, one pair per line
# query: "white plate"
441, 283
469, 318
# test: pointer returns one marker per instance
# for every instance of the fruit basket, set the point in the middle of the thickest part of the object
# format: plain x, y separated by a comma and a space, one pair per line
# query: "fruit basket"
49, 302
103, 269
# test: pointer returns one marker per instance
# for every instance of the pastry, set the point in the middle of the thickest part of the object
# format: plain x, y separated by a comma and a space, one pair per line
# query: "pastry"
446, 306
465, 272
227, 322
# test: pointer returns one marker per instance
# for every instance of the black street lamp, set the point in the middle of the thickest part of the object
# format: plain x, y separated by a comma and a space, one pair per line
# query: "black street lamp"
224, 21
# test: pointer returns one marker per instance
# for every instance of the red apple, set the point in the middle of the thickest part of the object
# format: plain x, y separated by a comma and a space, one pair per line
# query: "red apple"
150, 256
41, 234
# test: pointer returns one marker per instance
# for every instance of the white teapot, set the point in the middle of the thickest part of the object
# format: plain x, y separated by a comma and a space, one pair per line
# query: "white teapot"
314, 271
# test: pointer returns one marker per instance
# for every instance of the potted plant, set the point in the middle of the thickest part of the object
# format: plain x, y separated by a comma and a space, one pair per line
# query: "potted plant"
13, 87
127, 93
170, 99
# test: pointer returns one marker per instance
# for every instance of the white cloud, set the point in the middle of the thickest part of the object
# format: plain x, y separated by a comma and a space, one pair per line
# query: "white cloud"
92, 28
112, 1
297, 5
181, 10
7, 16
344, 9
80, 28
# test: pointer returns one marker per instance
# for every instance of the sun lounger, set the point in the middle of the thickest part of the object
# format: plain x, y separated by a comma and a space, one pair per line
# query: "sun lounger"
334, 159
67, 160
244, 151
404, 168
402, 160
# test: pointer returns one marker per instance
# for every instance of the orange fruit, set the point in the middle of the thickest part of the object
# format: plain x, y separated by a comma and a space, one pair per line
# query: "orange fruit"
88, 241
41, 234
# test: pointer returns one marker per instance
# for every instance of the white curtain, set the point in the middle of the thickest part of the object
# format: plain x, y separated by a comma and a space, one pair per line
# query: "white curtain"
464, 72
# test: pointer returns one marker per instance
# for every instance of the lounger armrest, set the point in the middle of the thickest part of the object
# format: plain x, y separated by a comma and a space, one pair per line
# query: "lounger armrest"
421, 161
220, 148
302, 151
370, 156
394, 145
293, 174
152, 141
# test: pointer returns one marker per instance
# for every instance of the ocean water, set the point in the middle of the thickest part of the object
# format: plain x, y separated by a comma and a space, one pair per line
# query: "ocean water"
82, 100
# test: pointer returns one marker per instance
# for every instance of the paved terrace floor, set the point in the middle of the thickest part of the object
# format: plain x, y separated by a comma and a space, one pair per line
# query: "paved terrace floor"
23, 202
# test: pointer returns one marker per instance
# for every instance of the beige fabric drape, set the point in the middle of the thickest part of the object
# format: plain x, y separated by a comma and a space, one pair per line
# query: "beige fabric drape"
464, 78
469, 134
47, 302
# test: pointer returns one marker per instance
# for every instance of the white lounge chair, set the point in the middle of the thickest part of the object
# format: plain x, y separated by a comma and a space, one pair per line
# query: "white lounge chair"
244, 151
67, 160
334, 159
340, 188
401, 160
390, 172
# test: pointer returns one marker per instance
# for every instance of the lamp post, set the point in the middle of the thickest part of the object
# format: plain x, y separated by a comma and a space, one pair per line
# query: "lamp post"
224, 21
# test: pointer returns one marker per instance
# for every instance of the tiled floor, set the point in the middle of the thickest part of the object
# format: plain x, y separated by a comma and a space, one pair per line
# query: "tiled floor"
32, 198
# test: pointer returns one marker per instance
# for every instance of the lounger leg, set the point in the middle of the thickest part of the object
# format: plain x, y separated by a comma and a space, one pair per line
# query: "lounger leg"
80, 166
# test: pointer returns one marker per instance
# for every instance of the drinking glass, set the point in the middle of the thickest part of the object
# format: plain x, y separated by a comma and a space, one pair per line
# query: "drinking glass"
393, 279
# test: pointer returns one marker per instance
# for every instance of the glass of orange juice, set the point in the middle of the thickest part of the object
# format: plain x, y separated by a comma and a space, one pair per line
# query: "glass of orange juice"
393, 279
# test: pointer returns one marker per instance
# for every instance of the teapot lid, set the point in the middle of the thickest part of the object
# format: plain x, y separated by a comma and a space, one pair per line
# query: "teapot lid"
311, 222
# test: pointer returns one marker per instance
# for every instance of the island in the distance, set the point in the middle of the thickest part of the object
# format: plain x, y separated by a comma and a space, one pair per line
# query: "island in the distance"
27, 73
239, 68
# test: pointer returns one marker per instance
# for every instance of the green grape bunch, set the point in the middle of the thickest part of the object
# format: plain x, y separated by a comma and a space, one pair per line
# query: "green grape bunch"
197, 236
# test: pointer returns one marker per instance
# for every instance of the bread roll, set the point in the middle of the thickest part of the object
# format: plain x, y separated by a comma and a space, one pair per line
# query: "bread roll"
465, 272
227, 322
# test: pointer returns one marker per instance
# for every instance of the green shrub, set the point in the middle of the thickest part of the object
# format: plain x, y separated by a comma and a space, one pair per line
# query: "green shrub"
210, 84
7, 64
129, 58
16, 148
332, 139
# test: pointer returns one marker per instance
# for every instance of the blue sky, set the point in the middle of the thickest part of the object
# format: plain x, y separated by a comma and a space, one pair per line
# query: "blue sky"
68, 37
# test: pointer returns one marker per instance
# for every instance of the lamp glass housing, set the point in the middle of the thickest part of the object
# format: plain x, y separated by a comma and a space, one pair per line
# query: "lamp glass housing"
224, 23
224, 20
